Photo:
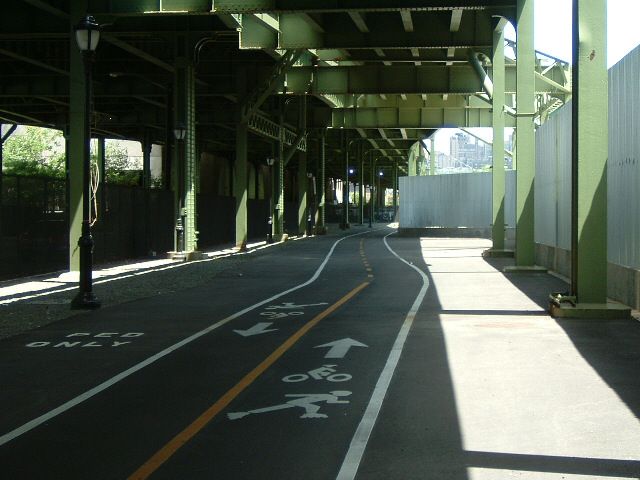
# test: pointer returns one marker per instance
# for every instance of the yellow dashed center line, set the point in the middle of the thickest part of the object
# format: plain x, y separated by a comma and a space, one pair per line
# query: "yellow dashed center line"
174, 445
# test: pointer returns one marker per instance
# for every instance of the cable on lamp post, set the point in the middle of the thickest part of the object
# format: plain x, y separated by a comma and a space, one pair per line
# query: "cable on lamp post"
180, 131
87, 34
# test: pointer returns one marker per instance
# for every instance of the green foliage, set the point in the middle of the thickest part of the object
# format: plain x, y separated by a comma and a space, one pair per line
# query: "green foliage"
40, 152
36, 151
117, 168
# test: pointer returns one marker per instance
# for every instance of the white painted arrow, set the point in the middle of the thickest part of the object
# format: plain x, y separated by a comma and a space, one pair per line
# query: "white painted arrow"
257, 329
339, 348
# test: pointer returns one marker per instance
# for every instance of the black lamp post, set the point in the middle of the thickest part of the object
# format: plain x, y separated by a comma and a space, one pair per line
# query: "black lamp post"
270, 162
180, 131
87, 37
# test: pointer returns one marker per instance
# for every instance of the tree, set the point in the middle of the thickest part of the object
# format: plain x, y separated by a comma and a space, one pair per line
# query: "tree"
35, 151
117, 166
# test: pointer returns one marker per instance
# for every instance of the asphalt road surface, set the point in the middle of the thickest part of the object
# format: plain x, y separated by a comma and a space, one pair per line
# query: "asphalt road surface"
360, 355
275, 371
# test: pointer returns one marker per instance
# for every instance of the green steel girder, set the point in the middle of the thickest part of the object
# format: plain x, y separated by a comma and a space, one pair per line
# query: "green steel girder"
383, 80
506, 7
338, 31
269, 84
265, 127
407, 80
420, 118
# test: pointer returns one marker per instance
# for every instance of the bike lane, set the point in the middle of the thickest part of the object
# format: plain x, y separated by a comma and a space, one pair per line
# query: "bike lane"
274, 426
298, 418
48, 374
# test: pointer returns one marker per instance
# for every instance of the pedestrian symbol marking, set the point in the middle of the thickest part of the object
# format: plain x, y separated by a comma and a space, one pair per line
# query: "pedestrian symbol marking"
303, 400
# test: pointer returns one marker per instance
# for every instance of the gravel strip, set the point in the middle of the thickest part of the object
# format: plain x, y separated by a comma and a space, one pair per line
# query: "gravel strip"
24, 315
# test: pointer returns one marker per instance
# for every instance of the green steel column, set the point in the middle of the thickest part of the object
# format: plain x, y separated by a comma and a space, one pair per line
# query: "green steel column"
525, 101
395, 189
146, 161
498, 140
240, 177
590, 152
279, 214
302, 193
361, 185
322, 186
433, 159
240, 185
185, 113
411, 161
76, 136
302, 171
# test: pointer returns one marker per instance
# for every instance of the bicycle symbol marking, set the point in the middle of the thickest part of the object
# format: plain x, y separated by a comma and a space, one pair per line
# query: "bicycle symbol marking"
326, 372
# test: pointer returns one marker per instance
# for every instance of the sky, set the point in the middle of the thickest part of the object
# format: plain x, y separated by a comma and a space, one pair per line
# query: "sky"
552, 36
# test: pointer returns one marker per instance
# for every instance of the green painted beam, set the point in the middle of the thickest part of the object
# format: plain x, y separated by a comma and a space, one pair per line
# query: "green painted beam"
409, 80
242, 6
417, 118
383, 80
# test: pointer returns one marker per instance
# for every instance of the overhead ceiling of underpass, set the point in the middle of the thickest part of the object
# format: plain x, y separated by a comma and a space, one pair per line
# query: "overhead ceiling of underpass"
389, 72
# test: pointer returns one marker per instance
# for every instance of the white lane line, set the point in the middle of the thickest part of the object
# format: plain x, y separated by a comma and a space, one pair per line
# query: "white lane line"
112, 381
360, 439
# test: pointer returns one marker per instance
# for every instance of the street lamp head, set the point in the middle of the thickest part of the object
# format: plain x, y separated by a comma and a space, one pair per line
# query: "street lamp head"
270, 161
87, 34
351, 171
381, 174
180, 131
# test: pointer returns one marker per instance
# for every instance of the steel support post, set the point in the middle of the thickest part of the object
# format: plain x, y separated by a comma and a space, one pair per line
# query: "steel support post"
525, 102
75, 150
185, 113
590, 144
395, 189
361, 186
240, 173
302, 170
240, 185
498, 175
279, 213
433, 158
411, 162
323, 180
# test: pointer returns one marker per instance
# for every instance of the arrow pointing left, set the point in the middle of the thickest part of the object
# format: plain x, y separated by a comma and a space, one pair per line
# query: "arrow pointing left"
257, 329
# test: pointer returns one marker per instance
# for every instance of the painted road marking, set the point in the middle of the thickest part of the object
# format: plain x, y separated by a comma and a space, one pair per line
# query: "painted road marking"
360, 439
198, 424
291, 306
7, 437
339, 348
305, 400
276, 315
326, 372
257, 329
112, 342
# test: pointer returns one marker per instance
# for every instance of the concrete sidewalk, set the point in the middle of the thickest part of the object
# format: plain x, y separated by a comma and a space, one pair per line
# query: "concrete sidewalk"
535, 397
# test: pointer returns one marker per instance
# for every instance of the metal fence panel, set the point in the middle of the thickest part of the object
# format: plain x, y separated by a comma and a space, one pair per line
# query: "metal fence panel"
623, 179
